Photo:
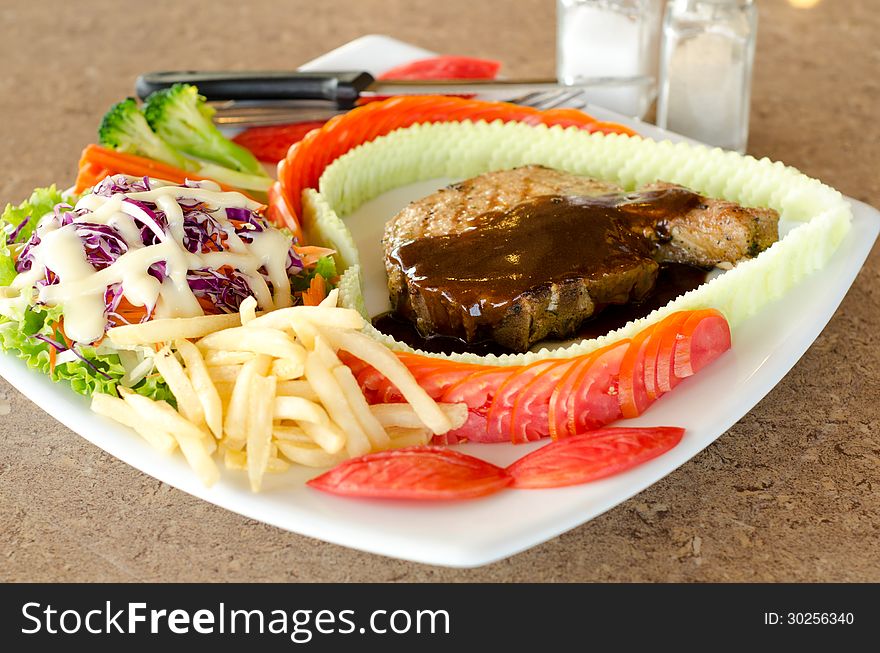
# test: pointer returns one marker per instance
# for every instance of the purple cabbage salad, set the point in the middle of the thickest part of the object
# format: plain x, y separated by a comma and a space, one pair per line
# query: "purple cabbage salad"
223, 289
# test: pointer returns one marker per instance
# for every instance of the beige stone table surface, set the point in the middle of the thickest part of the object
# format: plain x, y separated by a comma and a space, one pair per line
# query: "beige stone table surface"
791, 492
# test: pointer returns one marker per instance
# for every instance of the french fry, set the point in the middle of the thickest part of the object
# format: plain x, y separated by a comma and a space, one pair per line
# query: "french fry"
248, 310
290, 434
325, 353
218, 357
116, 409
305, 330
224, 373
235, 460
327, 436
331, 299
360, 408
309, 455
343, 318
408, 437
383, 359
276, 465
327, 388
255, 339
196, 445
234, 424
403, 415
160, 414
259, 429
224, 389
296, 388
168, 329
181, 387
287, 369
199, 458
299, 409
203, 386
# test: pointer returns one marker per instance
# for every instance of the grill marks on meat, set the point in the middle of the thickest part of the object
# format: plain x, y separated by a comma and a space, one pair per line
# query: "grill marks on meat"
521, 255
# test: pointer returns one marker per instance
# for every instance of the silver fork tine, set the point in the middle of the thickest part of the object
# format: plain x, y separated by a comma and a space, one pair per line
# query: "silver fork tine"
562, 97
527, 99
539, 98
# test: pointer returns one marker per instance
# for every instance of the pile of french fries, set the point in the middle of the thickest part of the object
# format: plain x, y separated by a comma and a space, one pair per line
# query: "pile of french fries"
264, 391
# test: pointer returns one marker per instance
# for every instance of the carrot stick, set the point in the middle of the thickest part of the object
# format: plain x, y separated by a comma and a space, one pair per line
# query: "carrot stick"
309, 254
316, 293
137, 166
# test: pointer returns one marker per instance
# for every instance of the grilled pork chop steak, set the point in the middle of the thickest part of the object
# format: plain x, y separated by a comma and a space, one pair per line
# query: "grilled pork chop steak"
517, 256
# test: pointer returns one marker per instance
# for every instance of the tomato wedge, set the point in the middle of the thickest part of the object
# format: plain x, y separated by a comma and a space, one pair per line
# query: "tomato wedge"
705, 335
632, 394
478, 392
529, 419
592, 455
658, 355
445, 67
561, 398
498, 420
271, 143
595, 400
414, 473
436, 379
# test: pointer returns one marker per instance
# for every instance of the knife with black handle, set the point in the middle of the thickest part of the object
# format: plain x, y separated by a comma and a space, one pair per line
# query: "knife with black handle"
343, 88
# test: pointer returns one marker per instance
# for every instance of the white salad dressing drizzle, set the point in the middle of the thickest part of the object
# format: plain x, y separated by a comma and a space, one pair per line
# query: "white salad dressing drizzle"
81, 288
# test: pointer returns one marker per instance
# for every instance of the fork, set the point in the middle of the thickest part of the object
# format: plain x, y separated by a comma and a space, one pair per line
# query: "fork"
239, 114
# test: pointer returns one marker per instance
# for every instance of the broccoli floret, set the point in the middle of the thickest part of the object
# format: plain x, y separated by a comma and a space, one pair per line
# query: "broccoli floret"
180, 116
124, 128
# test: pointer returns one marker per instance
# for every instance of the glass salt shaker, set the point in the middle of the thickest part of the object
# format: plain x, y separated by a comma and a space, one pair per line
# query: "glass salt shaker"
706, 70
613, 42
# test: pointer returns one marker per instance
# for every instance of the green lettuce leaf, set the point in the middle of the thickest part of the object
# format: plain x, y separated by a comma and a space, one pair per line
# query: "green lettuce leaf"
325, 266
102, 373
41, 202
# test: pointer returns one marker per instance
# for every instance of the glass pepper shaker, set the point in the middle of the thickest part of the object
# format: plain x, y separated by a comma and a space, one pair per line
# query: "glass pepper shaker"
612, 40
706, 70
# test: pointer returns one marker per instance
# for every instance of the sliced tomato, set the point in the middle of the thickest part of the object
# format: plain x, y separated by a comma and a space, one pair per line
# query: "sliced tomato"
477, 391
592, 455
560, 399
445, 67
414, 473
632, 394
436, 379
705, 335
529, 419
652, 351
373, 384
271, 143
669, 331
499, 417
594, 402
658, 355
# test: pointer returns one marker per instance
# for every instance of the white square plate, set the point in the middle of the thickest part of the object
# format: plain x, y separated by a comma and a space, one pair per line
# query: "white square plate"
478, 532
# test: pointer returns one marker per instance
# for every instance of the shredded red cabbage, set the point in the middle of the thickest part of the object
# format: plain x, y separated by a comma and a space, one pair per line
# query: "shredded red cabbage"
223, 290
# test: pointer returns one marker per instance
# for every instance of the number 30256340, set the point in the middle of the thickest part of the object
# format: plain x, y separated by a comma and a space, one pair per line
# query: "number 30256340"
809, 618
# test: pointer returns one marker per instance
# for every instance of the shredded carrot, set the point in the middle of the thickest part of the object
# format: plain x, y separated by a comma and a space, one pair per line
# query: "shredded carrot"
316, 293
311, 253
59, 326
53, 354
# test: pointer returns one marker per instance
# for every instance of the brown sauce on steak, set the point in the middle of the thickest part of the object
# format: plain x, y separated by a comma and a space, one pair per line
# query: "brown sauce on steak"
540, 245
674, 279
